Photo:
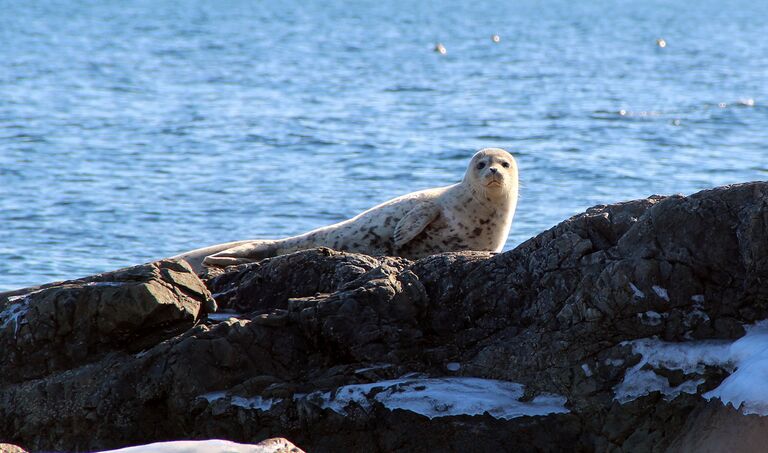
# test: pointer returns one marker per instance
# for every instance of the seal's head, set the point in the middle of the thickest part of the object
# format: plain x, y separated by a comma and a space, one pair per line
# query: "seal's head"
492, 172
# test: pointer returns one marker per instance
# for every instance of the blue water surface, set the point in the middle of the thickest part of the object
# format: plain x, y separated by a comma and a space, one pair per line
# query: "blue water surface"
130, 131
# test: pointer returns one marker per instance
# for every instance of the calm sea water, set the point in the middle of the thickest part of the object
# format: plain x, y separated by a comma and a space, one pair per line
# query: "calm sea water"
131, 131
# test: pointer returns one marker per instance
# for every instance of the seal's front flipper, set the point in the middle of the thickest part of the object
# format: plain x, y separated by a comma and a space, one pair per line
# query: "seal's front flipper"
414, 222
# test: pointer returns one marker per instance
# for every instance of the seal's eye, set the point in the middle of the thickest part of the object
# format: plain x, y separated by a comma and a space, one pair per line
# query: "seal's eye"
505, 164
480, 165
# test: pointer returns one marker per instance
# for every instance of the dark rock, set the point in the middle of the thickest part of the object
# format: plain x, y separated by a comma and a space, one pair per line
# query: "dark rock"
78, 322
320, 341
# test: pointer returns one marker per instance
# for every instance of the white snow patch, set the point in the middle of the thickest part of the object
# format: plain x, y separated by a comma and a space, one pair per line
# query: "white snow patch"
431, 397
414, 375
587, 371
651, 318
254, 402
661, 292
194, 446
375, 366
105, 283
689, 357
223, 315
15, 314
746, 357
745, 388
453, 366
698, 309
213, 396
614, 362
443, 397
639, 294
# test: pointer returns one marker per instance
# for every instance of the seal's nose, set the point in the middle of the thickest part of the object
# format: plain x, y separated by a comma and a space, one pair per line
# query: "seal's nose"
494, 169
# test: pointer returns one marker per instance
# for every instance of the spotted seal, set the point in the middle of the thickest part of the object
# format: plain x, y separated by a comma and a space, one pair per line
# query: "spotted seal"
474, 214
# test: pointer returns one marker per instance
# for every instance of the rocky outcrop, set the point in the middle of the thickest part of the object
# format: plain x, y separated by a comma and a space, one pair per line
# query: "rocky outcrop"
601, 333
65, 326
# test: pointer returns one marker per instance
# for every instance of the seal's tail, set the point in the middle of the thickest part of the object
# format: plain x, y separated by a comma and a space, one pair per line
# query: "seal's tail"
240, 252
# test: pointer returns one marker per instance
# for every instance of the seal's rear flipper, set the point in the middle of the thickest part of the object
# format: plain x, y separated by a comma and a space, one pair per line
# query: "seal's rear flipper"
248, 252
224, 261
195, 257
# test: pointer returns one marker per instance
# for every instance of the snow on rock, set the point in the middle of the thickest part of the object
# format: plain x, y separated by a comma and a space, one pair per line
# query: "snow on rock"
14, 313
254, 402
431, 397
661, 292
698, 309
373, 367
747, 357
205, 446
689, 357
651, 318
223, 315
112, 284
453, 366
443, 397
746, 387
614, 362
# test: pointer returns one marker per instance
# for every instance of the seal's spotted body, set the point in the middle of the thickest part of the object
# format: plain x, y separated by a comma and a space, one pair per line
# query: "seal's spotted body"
475, 214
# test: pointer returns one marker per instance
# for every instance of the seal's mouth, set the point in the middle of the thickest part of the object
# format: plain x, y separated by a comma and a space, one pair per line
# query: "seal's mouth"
494, 183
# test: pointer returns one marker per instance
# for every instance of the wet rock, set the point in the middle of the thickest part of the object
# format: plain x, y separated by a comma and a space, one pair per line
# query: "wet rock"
581, 325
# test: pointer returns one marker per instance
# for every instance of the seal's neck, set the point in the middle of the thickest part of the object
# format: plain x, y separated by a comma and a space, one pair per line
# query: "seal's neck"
494, 199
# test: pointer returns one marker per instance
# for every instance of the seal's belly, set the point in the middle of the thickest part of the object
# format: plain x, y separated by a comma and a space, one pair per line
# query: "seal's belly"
442, 237
375, 235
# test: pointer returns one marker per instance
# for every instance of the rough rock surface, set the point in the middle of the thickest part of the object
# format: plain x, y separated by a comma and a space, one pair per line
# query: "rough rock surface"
74, 323
557, 315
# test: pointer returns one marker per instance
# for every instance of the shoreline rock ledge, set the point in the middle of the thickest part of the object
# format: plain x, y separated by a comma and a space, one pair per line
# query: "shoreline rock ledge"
637, 326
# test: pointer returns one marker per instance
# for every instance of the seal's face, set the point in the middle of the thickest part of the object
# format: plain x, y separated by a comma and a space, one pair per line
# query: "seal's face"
493, 170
